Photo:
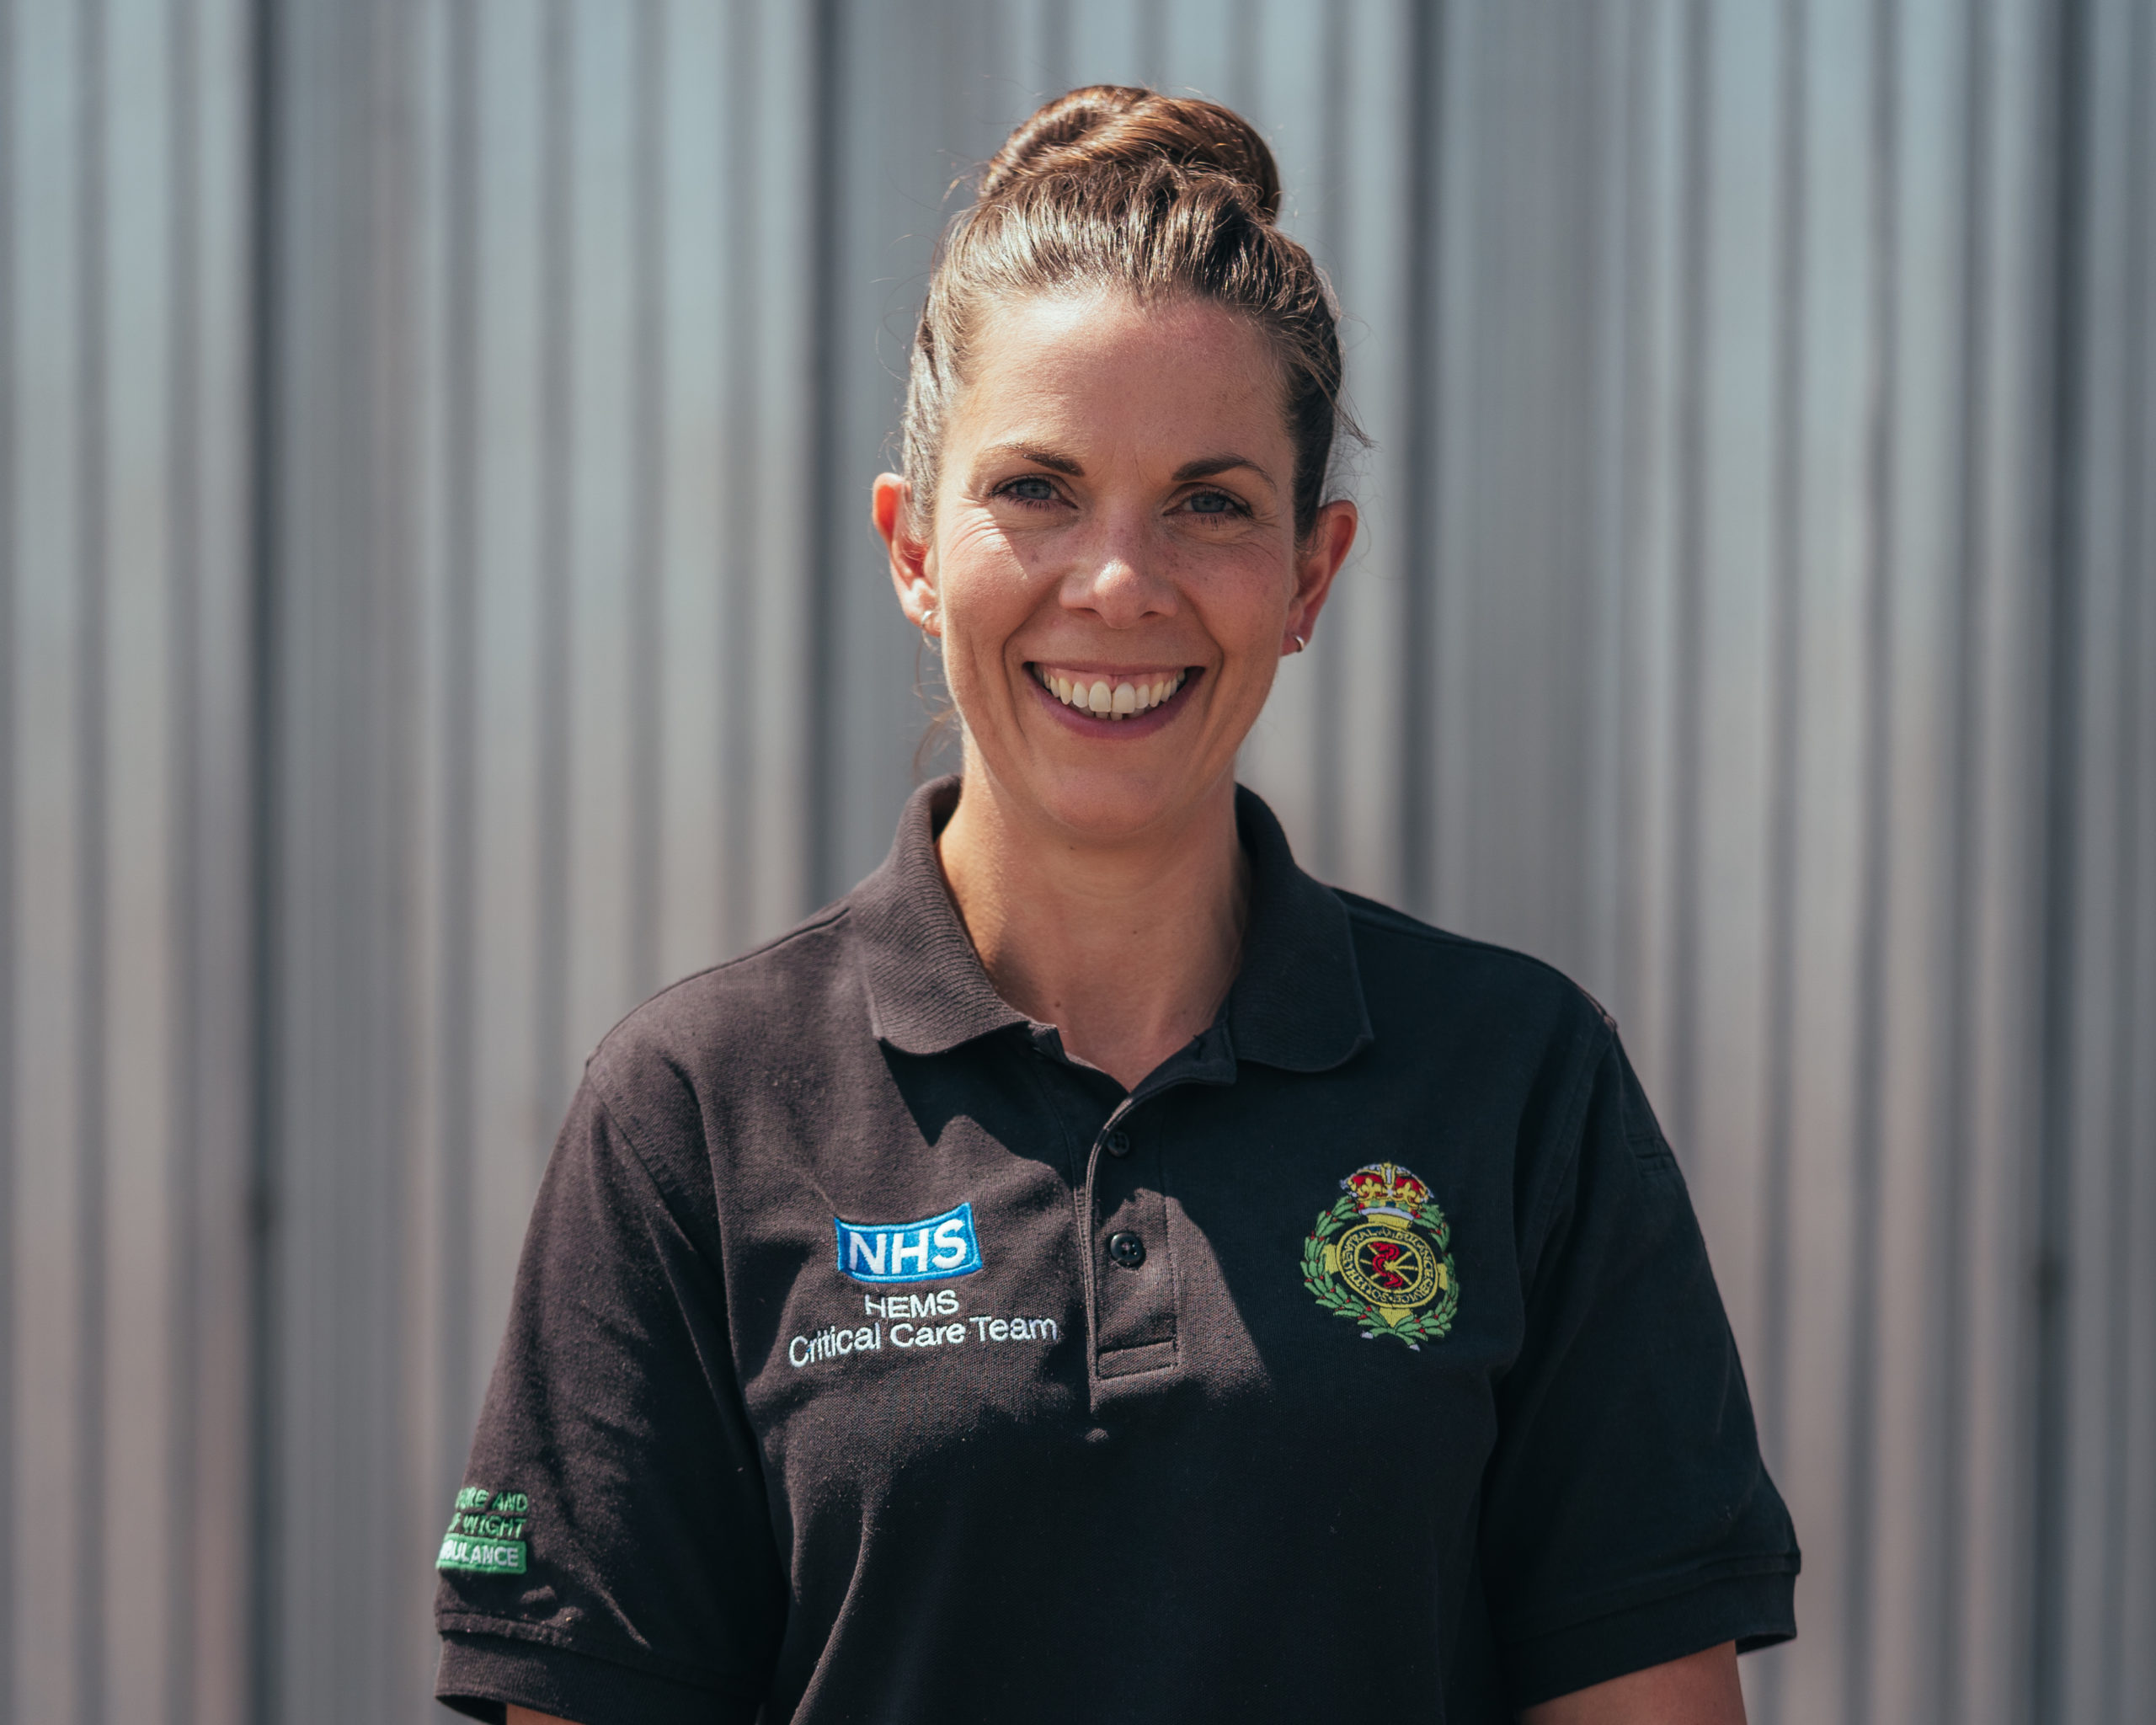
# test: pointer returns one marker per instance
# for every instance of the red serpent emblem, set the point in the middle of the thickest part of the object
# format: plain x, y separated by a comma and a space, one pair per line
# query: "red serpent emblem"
1379, 1257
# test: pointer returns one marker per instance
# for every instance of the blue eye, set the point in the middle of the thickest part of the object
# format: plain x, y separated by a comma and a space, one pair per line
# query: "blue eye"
1031, 487
1212, 503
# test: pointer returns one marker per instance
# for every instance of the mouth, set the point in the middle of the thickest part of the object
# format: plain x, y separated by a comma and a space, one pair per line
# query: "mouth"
1094, 698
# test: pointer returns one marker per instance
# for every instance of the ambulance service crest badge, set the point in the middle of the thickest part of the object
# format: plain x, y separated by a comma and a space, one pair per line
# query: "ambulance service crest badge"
1382, 1256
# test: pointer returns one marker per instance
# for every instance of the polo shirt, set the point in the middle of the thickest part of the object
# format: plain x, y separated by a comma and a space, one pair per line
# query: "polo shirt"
873, 1359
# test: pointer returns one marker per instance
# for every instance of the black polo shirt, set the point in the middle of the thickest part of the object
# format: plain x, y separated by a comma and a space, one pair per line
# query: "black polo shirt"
873, 1360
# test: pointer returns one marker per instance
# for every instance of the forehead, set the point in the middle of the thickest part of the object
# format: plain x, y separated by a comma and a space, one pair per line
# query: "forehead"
1106, 365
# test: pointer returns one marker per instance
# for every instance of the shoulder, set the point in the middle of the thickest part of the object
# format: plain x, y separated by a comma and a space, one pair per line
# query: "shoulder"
773, 1018
1410, 966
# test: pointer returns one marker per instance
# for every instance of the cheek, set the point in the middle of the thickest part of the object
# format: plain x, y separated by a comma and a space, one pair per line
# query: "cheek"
982, 594
984, 590
976, 570
1244, 595
970, 537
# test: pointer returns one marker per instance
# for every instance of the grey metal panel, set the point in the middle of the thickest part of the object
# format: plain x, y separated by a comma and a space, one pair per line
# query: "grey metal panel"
211, 742
1286, 82
1355, 837
2001, 777
1697, 641
2132, 1534
48, 195
122, 320
2106, 1365
1916, 1440
342, 778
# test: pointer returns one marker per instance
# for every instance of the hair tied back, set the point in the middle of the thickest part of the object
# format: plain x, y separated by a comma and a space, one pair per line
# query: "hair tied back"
1160, 197
1104, 129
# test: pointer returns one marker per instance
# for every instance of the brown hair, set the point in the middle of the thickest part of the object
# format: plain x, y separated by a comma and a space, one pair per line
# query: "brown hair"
1163, 197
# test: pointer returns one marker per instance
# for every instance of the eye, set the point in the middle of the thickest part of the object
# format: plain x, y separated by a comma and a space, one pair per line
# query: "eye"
1214, 503
1028, 488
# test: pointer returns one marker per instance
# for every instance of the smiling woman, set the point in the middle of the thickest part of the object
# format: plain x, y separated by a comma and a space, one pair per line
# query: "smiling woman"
1112, 564
1080, 1062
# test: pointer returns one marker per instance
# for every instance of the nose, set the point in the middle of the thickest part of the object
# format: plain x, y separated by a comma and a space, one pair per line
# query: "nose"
1120, 573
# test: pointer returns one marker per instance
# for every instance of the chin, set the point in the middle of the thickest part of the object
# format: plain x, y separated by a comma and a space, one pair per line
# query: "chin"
1123, 784
1115, 803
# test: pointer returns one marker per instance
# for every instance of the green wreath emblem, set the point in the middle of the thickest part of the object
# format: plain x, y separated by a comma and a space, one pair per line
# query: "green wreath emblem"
1429, 1322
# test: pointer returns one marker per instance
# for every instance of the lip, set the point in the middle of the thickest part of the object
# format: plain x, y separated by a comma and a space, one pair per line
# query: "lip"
1134, 729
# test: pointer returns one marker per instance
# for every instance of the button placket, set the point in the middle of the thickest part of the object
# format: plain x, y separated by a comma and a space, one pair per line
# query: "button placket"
1134, 1295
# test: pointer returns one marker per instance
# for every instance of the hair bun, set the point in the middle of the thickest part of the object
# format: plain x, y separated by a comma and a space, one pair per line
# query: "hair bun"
1104, 127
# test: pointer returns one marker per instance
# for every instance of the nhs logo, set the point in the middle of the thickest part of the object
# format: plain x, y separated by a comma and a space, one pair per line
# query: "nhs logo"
926, 1251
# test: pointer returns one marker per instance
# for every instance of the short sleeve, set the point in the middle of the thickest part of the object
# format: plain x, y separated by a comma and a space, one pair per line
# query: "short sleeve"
1628, 1519
610, 1557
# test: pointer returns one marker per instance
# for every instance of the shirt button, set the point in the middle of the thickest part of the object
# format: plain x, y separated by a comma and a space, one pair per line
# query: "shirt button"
1117, 1142
1127, 1249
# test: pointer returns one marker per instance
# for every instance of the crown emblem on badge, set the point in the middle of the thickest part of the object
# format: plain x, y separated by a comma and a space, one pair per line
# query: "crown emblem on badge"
1385, 1188
1382, 1256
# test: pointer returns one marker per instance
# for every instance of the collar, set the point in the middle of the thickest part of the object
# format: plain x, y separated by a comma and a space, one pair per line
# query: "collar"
1296, 1001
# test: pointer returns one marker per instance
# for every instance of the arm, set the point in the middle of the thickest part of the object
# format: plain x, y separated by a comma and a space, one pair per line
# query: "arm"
1699, 1690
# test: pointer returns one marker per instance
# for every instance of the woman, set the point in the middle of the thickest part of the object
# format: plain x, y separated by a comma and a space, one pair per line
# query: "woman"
1093, 1270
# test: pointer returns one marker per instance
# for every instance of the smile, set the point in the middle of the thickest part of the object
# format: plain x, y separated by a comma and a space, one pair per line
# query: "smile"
1109, 695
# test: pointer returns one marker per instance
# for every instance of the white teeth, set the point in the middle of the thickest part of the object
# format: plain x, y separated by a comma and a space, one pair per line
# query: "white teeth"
1110, 701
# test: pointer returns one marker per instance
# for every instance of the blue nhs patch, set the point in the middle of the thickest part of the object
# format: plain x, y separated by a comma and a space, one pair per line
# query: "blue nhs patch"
926, 1251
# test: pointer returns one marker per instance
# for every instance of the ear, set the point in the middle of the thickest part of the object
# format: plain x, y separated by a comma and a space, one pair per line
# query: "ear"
1317, 561
889, 506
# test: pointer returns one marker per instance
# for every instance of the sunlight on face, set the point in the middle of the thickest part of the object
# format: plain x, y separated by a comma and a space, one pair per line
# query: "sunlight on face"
1113, 555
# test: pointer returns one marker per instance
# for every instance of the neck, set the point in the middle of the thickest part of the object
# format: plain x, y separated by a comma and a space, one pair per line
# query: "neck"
1126, 947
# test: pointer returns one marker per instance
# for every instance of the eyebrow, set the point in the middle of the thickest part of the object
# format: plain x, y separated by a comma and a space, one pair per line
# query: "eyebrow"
1204, 467
1034, 453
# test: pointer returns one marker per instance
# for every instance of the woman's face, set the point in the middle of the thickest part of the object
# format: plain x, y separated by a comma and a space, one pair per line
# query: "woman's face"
1114, 530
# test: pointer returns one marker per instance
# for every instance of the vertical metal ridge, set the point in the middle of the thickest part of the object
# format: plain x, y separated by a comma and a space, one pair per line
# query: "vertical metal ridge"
1330, 747
1868, 1021
1690, 646
1244, 52
2122, 1370
1786, 668
266, 1616
92, 575
183, 1319
10, 741
1635, 472
2069, 122
1150, 46
734, 649
1963, 768
648, 247
1422, 451
455, 1125
556, 312
1613, 54
1055, 47
827, 406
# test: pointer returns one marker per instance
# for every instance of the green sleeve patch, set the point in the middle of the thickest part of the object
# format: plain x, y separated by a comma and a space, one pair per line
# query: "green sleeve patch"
486, 1534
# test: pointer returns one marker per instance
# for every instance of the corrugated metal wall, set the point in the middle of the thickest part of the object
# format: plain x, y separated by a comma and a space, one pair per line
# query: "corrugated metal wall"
126, 913
438, 609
